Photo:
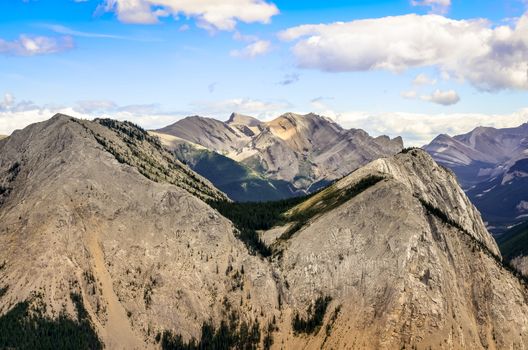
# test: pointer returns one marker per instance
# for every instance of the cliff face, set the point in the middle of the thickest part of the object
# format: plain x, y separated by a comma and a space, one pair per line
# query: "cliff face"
402, 273
393, 255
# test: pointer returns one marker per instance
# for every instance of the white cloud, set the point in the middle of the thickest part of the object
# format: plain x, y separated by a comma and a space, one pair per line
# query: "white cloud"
91, 106
445, 98
17, 115
35, 45
490, 58
210, 14
409, 94
423, 79
437, 6
252, 50
257, 108
419, 129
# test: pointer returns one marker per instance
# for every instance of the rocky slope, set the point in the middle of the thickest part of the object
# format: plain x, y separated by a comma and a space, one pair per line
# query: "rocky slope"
305, 150
407, 259
491, 165
146, 256
97, 214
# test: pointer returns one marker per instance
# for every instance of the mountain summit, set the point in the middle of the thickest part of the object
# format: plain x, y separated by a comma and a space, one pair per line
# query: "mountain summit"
305, 150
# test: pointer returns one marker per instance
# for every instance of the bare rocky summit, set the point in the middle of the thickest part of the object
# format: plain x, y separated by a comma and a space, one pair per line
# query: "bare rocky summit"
300, 149
393, 255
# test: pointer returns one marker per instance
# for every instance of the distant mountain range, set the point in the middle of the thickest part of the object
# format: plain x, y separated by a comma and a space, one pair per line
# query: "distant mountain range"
492, 166
287, 156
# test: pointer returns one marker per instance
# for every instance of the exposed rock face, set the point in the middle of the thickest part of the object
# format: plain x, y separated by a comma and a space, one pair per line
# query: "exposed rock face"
491, 165
407, 258
146, 256
403, 276
301, 149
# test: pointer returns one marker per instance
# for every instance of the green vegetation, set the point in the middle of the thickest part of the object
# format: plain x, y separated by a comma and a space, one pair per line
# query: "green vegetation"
331, 321
26, 326
230, 334
249, 217
514, 242
408, 149
12, 173
475, 244
330, 199
135, 147
234, 179
315, 317
257, 215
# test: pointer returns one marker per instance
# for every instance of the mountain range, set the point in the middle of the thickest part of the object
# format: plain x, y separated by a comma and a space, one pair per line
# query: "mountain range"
108, 240
492, 166
287, 156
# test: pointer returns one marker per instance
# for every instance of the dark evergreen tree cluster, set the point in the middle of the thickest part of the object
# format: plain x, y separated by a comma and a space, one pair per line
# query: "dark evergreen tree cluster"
257, 215
314, 317
251, 216
27, 327
231, 334
131, 130
329, 201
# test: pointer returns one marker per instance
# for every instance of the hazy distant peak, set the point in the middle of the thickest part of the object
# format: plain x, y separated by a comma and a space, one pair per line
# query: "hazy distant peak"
242, 119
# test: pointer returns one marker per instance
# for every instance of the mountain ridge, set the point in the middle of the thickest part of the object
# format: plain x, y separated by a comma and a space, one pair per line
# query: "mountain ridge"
300, 149
490, 165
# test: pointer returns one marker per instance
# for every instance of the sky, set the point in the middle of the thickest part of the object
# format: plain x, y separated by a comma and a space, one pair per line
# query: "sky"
410, 68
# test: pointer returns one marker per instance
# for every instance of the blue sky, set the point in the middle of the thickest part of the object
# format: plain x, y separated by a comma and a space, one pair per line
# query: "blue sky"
383, 69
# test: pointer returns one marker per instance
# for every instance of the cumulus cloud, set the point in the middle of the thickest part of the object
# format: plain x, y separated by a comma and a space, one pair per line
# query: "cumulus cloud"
419, 129
210, 14
17, 115
423, 79
490, 58
257, 108
409, 94
437, 6
35, 45
252, 50
445, 98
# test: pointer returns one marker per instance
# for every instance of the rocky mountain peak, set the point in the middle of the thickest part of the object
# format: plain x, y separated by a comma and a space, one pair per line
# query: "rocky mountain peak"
301, 149
241, 119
